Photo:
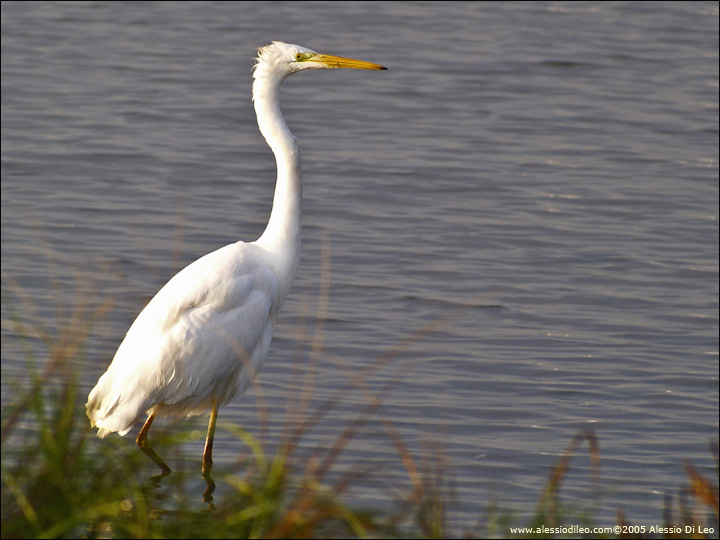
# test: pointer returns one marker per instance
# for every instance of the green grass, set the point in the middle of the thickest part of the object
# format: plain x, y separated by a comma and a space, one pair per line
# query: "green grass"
59, 481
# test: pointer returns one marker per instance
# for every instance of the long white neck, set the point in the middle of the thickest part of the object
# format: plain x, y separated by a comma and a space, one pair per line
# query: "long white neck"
282, 234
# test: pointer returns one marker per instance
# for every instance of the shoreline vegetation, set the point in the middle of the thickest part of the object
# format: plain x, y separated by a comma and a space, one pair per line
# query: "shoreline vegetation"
57, 482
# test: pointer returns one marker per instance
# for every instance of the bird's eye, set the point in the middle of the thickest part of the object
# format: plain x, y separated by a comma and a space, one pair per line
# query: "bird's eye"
298, 57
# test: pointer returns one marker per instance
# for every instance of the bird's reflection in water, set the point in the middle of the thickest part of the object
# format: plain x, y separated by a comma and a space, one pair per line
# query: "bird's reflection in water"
207, 494
160, 491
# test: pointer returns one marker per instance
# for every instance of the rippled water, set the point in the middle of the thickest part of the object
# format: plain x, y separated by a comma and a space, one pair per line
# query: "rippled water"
552, 165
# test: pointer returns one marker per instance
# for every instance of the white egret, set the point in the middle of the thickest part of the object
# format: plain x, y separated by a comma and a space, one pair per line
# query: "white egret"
204, 336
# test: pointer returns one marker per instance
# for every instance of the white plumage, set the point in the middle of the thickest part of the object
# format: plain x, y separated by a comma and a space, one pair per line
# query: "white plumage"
205, 335
184, 347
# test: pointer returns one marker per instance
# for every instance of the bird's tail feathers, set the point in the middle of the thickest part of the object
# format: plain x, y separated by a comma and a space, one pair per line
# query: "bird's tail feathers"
112, 410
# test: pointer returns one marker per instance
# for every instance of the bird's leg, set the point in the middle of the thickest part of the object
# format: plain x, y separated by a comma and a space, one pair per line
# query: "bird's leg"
207, 454
144, 445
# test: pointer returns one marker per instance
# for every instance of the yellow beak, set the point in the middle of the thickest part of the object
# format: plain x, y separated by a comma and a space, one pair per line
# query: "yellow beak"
340, 62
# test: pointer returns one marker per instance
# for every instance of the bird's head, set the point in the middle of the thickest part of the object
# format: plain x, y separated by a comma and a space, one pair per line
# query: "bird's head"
282, 59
